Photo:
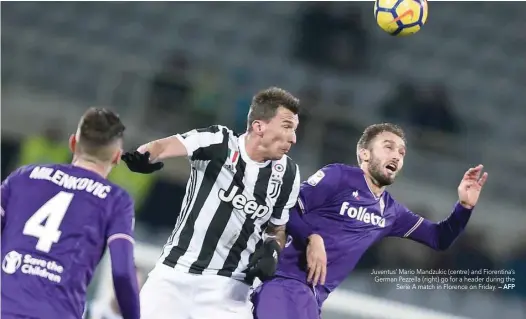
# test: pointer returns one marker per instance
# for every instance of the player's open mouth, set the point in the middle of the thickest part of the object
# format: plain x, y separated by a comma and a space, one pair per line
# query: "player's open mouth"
391, 167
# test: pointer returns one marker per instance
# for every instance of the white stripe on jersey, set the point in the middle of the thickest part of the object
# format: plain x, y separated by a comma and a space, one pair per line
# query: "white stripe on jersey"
188, 202
204, 220
233, 228
415, 226
120, 236
211, 235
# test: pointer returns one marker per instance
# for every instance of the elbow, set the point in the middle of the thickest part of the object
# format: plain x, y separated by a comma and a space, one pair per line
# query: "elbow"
442, 246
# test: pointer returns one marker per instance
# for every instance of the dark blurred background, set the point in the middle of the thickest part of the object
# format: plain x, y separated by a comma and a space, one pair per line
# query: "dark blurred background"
457, 87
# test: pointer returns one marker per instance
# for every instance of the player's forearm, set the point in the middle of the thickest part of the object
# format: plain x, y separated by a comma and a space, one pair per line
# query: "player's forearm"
277, 233
297, 227
164, 148
441, 235
125, 278
2, 219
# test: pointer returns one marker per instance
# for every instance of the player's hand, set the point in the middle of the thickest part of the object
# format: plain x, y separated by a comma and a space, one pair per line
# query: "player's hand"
316, 260
140, 163
264, 261
471, 186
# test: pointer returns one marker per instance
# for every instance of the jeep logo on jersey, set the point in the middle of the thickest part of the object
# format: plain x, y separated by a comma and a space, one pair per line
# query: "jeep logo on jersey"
240, 202
362, 215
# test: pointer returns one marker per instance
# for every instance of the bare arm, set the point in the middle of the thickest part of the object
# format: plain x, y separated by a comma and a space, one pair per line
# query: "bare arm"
187, 144
277, 233
164, 148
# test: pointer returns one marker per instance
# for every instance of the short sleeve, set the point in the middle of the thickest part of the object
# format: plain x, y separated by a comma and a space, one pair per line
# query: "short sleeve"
122, 219
280, 214
200, 139
319, 187
7, 186
6, 190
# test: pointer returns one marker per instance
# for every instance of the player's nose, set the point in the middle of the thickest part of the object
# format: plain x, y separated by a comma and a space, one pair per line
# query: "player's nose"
292, 139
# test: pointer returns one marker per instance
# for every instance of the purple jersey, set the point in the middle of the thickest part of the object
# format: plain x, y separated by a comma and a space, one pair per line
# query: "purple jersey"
56, 222
337, 204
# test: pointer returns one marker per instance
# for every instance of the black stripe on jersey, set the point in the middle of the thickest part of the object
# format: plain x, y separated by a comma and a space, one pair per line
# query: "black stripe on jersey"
260, 194
210, 176
184, 211
219, 222
286, 189
249, 279
210, 152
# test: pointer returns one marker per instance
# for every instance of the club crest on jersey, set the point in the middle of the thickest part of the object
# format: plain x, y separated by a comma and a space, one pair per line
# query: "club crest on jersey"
279, 168
316, 178
275, 186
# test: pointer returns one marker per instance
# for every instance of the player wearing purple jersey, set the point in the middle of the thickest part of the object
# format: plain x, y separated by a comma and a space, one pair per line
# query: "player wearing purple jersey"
341, 212
56, 222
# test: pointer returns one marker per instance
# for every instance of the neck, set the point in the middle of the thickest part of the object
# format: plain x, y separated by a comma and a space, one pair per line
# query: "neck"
373, 184
91, 165
254, 149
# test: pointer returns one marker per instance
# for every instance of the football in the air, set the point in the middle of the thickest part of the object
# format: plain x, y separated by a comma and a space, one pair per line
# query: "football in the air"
400, 17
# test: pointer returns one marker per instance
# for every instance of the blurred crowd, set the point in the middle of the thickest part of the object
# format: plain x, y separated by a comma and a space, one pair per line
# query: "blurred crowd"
325, 39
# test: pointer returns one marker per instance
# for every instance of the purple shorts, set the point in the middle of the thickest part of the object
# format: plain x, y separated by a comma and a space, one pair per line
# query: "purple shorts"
284, 298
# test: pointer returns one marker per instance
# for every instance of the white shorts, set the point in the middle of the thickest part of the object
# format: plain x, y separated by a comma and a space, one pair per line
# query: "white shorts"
172, 294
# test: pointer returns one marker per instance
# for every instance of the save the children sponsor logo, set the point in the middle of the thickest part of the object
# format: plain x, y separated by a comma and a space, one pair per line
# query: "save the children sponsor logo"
32, 266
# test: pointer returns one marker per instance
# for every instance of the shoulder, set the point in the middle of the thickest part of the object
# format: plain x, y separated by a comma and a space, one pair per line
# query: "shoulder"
338, 170
26, 171
328, 174
212, 130
391, 202
285, 164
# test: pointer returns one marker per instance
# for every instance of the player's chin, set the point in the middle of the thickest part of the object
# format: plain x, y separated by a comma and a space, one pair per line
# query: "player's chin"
389, 178
280, 153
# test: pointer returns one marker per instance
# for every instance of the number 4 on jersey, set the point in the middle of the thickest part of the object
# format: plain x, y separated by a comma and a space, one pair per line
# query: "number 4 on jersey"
53, 210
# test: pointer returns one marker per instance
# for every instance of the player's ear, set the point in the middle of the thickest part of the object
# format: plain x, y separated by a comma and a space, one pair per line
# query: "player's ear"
258, 127
364, 154
72, 143
117, 157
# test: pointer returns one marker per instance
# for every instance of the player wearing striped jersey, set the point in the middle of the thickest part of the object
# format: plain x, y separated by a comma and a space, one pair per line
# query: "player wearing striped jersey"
231, 227
57, 220
346, 209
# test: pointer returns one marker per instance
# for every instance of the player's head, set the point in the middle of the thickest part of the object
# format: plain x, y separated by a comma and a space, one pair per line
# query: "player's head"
381, 151
99, 137
273, 118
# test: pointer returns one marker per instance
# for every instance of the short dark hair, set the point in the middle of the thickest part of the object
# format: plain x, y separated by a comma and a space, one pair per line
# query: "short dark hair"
372, 131
266, 103
98, 129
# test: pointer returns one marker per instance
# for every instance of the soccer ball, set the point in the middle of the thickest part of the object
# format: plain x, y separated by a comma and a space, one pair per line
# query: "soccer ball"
400, 17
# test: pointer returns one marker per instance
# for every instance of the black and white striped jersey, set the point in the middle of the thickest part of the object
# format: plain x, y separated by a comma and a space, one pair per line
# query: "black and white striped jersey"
229, 201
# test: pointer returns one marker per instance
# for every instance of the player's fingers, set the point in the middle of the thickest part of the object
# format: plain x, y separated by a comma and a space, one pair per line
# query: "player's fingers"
317, 274
323, 274
475, 171
483, 179
157, 166
136, 156
312, 269
470, 173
